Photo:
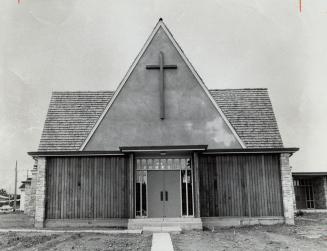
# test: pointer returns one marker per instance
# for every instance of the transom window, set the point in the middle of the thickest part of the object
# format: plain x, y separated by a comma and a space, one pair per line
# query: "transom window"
163, 164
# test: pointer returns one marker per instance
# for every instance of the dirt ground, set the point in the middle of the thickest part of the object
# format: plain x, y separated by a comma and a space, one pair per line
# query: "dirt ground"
83, 241
65, 241
309, 233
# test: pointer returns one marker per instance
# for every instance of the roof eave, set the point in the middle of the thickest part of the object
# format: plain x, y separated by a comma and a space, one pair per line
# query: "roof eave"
74, 153
127, 149
289, 150
310, 174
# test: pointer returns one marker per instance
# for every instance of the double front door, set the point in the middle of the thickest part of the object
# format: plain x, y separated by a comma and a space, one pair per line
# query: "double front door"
164, 198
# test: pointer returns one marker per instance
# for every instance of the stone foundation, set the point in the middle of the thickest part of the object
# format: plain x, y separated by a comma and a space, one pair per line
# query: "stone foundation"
86, 223
185, 223
221, 222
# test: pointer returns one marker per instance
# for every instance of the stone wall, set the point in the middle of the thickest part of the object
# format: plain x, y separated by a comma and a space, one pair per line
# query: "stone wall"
27, 205
40, 193
32, 193
29, 193
287, 188
22, 200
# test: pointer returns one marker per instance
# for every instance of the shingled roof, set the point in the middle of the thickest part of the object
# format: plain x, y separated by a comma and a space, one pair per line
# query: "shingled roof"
251, 114
72, 115
70, 118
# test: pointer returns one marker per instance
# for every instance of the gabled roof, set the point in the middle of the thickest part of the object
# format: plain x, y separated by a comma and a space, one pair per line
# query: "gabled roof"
72, 115
161, 25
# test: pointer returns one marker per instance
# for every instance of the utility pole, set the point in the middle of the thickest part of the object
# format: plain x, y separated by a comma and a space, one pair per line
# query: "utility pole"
15, 196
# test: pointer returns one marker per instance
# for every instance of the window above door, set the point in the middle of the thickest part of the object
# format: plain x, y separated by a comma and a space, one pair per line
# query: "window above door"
163, 163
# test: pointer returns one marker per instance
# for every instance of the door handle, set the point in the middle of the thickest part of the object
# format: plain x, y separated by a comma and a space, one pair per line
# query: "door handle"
161, 196
166, 196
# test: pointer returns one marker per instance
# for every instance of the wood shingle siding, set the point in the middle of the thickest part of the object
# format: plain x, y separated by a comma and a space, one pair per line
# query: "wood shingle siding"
87, 187
240, 185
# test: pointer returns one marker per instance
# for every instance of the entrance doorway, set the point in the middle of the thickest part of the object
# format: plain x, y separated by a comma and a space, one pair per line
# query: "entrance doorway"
164, 194
164, 187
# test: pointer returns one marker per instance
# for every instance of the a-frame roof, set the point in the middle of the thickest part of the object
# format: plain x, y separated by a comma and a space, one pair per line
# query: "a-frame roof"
159, 25
73, 117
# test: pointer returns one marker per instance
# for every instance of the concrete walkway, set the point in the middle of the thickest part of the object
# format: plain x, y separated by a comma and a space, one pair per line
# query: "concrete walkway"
99, 231
161, 242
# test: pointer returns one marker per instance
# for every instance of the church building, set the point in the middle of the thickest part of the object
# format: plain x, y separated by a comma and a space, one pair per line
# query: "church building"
162, 150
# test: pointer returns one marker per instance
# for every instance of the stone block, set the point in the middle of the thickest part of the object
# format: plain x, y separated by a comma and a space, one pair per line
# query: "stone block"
40, 193
287, 189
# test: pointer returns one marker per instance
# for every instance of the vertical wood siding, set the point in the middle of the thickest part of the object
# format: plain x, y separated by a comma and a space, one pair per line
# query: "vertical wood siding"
240, 185
87, 187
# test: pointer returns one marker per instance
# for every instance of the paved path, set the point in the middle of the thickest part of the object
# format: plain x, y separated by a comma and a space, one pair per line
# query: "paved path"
161, 242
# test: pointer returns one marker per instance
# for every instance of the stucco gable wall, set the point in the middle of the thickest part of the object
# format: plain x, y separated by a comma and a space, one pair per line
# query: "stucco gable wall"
134, 117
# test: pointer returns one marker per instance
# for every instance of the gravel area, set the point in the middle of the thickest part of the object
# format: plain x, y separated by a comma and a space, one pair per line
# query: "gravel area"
85, 241
308, 234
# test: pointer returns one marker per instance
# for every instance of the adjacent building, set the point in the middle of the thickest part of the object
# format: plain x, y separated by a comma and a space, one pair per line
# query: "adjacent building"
310, 189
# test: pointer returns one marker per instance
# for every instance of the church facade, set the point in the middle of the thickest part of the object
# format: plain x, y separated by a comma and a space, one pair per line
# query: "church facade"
162, 149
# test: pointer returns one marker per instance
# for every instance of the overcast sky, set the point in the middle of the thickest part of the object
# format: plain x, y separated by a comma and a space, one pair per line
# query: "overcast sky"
48, 45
